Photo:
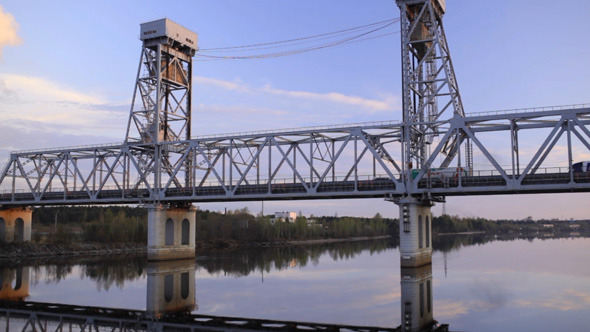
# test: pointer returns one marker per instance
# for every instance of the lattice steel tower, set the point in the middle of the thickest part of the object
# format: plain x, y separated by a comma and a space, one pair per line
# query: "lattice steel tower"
161, 105
429, 86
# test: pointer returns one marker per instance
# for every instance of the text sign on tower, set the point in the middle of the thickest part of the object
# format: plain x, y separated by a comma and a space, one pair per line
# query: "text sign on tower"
167, 28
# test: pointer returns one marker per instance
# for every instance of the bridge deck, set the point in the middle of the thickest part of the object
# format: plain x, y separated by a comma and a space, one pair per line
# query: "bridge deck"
377, 187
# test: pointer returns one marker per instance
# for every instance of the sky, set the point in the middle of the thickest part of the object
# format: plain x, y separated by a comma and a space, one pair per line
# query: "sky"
68, 69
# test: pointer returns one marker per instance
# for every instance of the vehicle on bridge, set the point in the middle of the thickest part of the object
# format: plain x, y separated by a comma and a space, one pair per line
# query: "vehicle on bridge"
582, 166
442, 172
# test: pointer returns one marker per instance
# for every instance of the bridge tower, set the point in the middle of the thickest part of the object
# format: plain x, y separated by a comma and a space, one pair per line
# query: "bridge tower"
430, 93
159, 122
161, 105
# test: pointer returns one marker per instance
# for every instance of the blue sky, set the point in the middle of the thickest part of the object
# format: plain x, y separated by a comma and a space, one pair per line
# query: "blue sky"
67, 73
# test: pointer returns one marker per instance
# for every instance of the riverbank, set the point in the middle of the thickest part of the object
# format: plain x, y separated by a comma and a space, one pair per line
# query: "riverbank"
19, 251
232, 244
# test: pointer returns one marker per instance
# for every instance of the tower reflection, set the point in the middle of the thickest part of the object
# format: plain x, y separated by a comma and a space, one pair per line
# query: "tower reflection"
170, 287
14, 283
417, 300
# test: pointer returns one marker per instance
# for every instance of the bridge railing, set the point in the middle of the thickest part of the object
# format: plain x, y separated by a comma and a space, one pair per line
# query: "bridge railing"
529, 110
75, 147
300, 129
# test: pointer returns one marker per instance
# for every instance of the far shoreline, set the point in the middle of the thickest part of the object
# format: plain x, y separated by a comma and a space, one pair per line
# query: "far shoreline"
11, 252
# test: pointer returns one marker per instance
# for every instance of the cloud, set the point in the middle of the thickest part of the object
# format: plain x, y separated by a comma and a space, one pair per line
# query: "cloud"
449, 309
567, 300
227, 85
33, 102
39, 89
8, 30
334, 97
386, 103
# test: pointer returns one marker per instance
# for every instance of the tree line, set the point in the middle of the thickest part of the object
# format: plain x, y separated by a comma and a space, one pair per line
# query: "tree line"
114, 224
124, 224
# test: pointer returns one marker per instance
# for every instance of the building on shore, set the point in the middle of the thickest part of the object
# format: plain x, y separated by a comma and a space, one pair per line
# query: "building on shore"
288, 217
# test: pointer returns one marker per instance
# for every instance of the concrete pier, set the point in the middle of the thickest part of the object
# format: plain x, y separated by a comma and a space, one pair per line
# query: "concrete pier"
416, 299
171, 232
15, 224
170, 287
415, 232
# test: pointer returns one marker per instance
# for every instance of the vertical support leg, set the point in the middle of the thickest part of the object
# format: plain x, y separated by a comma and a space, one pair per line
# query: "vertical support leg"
415, 232
171, 232
15, 224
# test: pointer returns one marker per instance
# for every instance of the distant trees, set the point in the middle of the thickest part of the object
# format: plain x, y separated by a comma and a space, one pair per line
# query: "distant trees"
123, 224
240, 225
113, 224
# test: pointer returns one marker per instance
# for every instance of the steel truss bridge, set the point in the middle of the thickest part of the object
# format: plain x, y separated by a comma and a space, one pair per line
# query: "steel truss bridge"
437, 150
44, 317
360, 160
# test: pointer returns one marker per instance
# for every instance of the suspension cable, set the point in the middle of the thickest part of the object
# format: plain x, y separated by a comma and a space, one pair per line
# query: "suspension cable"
346, 36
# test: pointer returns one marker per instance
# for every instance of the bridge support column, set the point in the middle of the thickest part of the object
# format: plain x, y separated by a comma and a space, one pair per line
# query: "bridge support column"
415, 232
15, 224
171, 232
170, 287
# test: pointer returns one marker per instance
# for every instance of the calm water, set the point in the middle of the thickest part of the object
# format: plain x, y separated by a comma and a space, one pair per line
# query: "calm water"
518, 285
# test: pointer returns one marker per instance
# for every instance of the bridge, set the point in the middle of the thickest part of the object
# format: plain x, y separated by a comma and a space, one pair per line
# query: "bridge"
414, 163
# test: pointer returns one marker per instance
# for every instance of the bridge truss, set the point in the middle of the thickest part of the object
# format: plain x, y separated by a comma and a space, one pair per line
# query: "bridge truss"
360, 160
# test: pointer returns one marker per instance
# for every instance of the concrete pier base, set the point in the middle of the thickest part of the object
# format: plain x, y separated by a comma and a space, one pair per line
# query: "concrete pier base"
15, 224
416, 299
170, 287
415, 232
171, 232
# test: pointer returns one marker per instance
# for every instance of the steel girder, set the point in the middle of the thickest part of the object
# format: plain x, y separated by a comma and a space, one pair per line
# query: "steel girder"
330, 162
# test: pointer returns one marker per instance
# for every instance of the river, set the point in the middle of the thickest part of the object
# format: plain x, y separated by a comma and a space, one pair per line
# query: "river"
477, 283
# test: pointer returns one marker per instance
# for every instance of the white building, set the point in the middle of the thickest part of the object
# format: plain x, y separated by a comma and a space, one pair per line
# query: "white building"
284, 216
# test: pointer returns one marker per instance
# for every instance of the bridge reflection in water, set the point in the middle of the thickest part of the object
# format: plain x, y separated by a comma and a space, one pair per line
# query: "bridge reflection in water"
170, 299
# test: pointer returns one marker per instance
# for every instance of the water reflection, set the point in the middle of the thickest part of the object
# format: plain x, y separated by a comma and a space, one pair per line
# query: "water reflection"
241, 263
14, 283
170, 287
416, 298
350, 283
